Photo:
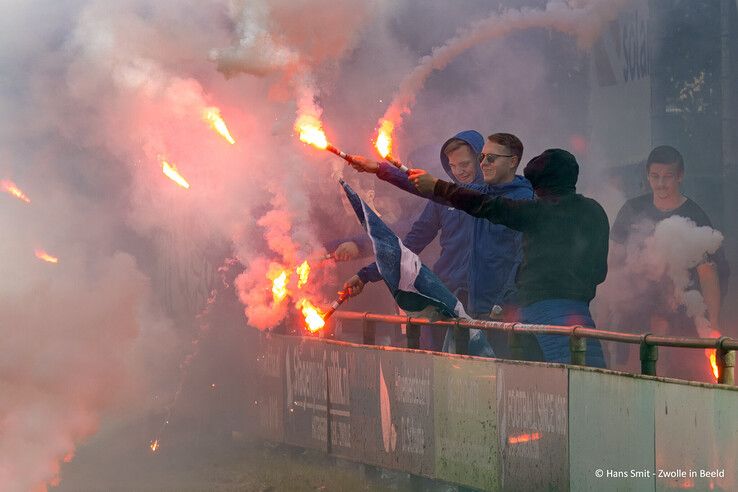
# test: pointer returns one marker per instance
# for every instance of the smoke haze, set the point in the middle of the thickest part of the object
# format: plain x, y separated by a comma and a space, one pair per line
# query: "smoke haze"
98, 94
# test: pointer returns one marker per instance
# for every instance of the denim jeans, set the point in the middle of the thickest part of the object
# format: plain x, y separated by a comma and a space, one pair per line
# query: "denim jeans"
563, 312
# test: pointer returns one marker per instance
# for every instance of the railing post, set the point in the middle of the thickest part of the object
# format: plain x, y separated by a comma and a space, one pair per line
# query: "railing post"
461, 339
517, 345
368, 331
413, 335
649, 356
578, 348
726, 364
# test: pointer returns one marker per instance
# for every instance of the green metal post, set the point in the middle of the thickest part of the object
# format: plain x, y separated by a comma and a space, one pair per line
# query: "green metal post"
726, 366
578, 348
649, 356
515, 340
368, 332
413, 335
461, 337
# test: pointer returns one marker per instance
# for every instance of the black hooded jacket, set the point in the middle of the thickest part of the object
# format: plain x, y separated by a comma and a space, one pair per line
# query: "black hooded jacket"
565, 235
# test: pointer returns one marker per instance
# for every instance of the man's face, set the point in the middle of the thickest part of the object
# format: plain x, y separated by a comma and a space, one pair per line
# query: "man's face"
664, 180
463, 164
501, 169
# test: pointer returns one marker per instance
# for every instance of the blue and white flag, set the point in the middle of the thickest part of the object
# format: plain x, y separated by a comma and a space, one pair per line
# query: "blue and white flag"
413, 285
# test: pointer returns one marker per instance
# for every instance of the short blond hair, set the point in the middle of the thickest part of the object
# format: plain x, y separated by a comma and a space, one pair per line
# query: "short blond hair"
455, 144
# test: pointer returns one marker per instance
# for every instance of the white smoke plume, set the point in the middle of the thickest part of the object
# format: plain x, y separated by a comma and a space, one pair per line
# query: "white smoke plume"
584, 21
660, 262
292, 40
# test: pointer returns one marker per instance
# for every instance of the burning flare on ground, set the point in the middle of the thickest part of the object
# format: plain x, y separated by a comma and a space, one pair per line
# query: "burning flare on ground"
711, 355
10, 187
154, 445
384, 138
279, 285
171, 172
535, 436
212, 116
313, 318
303, 271
311, 131
43, 255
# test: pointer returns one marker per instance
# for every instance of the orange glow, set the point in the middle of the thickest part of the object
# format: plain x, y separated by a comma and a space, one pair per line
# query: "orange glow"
313, 317
172, 173
304, 272
384, 138
311, 131
712, 356
154, 445
212, 116
687, 483
10, 187
279, 286
43, 255
524, 438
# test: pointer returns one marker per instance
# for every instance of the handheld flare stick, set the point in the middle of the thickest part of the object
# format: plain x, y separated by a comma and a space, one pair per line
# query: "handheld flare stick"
312, 133
342, 296
399, 165
343, 155
383, 144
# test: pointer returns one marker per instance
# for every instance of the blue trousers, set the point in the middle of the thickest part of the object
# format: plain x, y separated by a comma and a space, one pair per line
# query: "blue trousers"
562, 312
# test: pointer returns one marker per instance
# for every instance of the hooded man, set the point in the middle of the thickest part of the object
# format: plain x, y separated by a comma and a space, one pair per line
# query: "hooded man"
475, 254
565, 245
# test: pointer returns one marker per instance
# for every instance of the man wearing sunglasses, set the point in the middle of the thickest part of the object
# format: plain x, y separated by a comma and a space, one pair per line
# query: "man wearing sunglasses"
490, 253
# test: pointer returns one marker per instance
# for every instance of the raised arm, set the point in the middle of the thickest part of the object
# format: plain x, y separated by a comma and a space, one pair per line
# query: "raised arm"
386, 172
515, 214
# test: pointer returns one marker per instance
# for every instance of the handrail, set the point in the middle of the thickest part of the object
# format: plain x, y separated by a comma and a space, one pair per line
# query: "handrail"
725, 347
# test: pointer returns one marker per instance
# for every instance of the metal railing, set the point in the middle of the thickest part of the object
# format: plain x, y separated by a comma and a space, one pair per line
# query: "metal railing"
724, 346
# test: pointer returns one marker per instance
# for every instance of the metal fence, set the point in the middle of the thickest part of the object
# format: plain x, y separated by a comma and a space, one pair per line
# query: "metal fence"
725, 347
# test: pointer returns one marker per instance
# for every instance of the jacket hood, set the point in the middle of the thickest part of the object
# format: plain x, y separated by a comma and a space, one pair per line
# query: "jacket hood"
554, 172
475, 141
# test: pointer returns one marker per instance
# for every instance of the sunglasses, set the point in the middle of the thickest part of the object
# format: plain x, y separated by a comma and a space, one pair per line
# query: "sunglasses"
490, 158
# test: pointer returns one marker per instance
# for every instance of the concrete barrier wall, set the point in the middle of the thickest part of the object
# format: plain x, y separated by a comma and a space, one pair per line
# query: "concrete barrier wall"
493, 424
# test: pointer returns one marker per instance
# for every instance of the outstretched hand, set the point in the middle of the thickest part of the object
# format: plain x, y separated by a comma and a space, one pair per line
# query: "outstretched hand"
346, 251
363, 164
353, 286
424, 182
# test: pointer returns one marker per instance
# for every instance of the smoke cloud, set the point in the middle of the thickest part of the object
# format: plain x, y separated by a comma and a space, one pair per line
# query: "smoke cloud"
101, 93
658, 263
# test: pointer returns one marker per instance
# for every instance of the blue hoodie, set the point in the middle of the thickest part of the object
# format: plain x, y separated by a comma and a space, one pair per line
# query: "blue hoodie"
455, 228
475, 253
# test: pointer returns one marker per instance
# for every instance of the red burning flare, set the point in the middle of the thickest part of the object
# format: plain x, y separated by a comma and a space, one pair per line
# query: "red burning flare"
383, 144
279, 280
311, 131
313, 317
11, 188
44, 256
522, 438
303, 271
171, 172
154, 445
711, 355
212, 116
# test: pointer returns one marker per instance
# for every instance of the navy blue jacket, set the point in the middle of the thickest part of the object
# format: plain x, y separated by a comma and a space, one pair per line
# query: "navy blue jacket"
476, 254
